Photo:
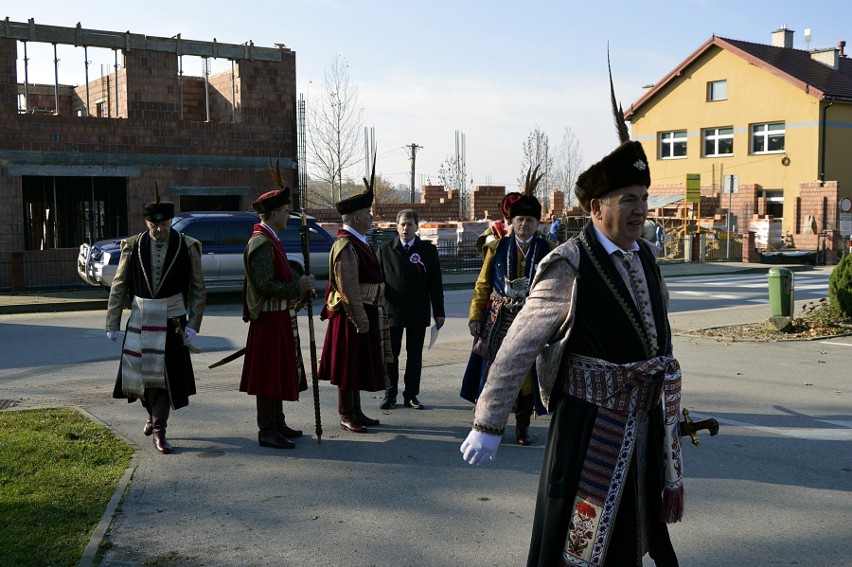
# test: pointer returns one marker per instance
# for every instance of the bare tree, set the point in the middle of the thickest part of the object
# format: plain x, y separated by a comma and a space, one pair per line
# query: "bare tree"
452, 175
334, 128
537, 154
569, 164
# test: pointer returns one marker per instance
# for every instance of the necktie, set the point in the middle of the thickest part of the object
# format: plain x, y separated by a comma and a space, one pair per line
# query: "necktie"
638, 285
407, 247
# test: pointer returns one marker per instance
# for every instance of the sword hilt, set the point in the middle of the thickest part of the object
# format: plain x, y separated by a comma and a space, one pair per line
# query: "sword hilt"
690, 428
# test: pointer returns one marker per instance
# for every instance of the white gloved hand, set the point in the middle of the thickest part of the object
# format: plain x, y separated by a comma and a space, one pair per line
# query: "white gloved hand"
112, 335
190, 334
480, 447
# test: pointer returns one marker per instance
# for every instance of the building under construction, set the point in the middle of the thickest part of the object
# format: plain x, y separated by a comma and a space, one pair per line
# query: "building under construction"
78, 162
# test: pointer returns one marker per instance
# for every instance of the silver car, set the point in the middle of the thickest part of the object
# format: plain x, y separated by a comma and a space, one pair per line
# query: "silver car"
223, 237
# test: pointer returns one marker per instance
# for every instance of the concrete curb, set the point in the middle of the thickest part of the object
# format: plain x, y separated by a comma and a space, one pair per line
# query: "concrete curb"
91, 552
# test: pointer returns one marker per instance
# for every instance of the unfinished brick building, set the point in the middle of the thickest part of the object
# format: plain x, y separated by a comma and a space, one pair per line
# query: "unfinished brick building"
78, 162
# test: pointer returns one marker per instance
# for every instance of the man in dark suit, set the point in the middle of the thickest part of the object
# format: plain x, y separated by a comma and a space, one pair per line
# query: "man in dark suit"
412, 286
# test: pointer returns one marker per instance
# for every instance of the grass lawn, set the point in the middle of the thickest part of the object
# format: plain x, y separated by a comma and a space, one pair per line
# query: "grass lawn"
58, 471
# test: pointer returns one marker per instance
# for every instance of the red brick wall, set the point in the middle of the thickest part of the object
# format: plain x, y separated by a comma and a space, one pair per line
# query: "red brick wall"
487, 198
150, 127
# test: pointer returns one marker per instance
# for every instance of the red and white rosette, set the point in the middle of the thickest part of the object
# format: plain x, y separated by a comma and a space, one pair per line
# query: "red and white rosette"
415, 259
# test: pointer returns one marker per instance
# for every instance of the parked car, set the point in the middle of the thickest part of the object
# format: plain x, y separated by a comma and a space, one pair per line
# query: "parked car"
223, 237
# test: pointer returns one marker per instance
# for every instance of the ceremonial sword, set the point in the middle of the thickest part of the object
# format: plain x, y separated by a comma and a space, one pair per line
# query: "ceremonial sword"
689, 428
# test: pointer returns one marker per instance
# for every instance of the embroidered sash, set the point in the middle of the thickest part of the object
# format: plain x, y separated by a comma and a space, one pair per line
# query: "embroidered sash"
620, 391
373, 294
143, 362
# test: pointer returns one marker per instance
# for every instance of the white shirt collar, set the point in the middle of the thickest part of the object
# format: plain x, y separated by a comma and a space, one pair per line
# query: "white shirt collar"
355, 233
524, 242
610, 246
409, 243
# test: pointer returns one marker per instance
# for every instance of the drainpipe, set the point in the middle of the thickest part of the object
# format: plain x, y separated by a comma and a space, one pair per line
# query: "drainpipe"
822, 141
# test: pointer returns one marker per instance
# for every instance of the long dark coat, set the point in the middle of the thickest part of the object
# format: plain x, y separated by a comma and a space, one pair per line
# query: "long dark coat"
413, 290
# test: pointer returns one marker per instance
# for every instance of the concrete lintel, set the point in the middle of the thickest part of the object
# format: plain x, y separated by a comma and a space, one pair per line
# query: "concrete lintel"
19, 170
210, 190
25, 163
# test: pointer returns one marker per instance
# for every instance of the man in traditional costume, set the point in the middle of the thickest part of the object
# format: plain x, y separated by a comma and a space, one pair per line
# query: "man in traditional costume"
596, 325
501, 227
357, 342
159, 274
499, 293
273, 370
413, 290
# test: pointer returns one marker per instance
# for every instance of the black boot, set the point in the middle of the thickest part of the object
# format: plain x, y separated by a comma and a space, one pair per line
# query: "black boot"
523, 412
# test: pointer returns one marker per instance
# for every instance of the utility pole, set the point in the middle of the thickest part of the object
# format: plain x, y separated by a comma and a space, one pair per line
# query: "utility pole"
412, 156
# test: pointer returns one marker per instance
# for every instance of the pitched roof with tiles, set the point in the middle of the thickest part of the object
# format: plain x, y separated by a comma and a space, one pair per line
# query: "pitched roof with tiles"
792, 65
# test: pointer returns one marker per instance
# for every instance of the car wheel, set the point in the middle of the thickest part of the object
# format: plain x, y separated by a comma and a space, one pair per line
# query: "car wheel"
297, 270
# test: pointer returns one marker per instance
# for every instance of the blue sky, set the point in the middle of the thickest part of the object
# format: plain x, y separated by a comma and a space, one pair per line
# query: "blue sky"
493, 70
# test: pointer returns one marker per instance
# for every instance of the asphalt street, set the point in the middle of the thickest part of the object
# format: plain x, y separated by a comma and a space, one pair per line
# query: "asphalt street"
773, 488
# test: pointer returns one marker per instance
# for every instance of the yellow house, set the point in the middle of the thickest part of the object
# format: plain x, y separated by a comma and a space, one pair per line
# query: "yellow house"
777, 118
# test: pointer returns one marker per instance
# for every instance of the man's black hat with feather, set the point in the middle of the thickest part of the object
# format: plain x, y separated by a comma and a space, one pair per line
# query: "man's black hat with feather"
361, 200
527, 205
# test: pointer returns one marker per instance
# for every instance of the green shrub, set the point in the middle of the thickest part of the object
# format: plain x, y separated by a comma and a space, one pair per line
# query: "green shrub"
840, 286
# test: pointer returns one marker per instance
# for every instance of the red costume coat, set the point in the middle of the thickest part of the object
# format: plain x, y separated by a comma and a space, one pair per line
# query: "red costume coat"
273, 360
352, 360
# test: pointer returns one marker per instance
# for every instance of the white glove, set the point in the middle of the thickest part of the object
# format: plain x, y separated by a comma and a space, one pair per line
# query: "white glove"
480, 447
190, 333
112, 335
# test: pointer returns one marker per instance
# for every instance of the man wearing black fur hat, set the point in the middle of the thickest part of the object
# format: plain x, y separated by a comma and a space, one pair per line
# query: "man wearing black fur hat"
357, 340
596, 325
159, 273
273, 370
508, 267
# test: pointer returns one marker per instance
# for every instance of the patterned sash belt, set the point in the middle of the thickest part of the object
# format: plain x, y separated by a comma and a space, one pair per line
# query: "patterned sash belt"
621, 387
501, 312
279, 304
620, 391
374, 294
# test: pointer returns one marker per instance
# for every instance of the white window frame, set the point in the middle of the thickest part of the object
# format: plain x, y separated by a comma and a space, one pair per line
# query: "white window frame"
670, 141
716, 136
713, 88
764, 132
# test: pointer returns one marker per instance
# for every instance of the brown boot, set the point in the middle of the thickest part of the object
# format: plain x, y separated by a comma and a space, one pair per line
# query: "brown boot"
160, 442
149, 426
349, 422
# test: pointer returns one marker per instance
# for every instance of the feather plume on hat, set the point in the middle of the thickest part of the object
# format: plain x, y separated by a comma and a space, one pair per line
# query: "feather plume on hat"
527, 204
276, 198
361, 200
158, 211
626, 165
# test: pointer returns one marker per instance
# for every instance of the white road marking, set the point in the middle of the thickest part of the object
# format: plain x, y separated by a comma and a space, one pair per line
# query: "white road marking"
811, 433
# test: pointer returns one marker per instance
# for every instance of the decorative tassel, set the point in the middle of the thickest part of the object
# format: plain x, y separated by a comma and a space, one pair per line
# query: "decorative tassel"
672, 510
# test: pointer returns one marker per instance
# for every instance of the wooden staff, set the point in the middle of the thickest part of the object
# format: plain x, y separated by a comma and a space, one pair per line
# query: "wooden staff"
305, 237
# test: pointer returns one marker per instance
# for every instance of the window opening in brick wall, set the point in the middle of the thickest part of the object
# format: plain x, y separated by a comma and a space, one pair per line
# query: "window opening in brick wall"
63, 212
73, 80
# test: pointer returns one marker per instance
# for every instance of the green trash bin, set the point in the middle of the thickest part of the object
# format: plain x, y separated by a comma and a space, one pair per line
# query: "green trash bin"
781, 292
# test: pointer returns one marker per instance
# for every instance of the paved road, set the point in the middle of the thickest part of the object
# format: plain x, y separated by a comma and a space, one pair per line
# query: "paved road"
774, 488
713, 292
